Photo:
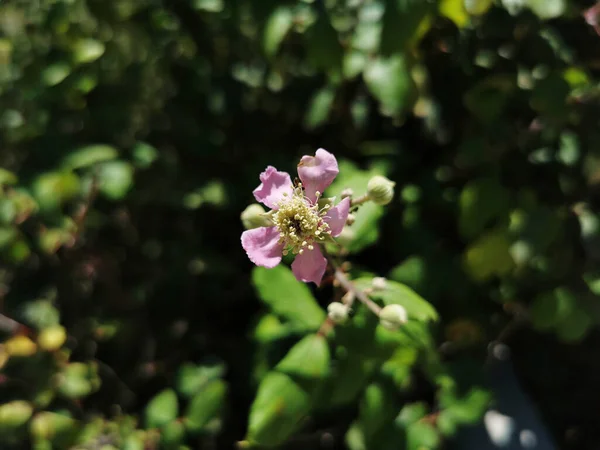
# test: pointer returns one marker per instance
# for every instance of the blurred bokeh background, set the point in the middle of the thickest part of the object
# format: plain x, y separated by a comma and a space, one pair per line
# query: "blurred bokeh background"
132, 133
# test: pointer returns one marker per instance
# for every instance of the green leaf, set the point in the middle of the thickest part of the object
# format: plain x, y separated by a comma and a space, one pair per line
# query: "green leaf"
14, 415
192, 378
465, 410
323, 47
277, 410
287, 297
552, 308
277, 27
88, 156
414, 15
411, 413
144, 155
309, 359
389, 81
547, 9
481, 201
549, 95
115, 178
575, 326
205, 405
55, 74
87, 50
477, 7
488, 99
319, 108
55, 188
396, 293
422, 435
172, 435
7, 177
455, 11
162, 409
488, 256
377, 409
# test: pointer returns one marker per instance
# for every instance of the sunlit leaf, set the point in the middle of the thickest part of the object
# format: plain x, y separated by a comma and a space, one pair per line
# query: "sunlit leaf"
287, 297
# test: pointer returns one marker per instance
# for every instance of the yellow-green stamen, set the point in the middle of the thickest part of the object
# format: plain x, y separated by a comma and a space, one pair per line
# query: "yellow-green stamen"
300, 223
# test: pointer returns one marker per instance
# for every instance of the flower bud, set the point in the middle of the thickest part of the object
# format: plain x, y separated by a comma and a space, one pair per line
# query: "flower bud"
337, 312
53, 338
380, 190
254, 216
379, 283
393, 317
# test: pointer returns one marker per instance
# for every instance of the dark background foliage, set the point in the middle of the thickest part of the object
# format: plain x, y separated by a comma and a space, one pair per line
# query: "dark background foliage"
132, 133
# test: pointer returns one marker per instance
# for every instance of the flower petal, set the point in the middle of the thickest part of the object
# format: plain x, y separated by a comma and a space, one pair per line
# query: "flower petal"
262, 246
317, 172
272, 187
310, 266
336, 216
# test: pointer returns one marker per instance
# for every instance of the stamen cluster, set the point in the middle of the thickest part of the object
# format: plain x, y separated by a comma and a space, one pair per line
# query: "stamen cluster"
300, 222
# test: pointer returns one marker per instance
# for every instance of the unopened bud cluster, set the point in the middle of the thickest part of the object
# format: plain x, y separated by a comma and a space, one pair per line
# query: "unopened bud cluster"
337, 312
393, 317
380, 190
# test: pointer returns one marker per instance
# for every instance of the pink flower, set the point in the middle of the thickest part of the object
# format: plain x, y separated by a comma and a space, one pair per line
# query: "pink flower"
299, 224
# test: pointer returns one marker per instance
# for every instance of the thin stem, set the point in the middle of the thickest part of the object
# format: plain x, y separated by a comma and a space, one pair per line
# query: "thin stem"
359, 200
360, 295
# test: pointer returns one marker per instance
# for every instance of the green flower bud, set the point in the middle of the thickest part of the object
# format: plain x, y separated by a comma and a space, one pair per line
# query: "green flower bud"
379, 284
393, 317
254, 216
380, 190
337, 312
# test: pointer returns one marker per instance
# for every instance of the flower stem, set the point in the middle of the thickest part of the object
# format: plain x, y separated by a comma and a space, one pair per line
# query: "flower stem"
360, 200
360, 295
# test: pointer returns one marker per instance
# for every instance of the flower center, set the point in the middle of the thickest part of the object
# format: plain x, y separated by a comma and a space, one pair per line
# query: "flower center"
300, 223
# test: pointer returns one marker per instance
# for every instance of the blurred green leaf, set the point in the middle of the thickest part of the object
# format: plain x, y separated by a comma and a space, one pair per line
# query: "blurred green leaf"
277, 27
550, 309
192, 378
162, 409
481, 201
477, 7
88, 156
287, 297
115, 179
319, 108
55, 74
277, 410
307, 360
422, 435
547, 9
488, 256
389, 81
455, 11
87, 50
205, 405
52, 189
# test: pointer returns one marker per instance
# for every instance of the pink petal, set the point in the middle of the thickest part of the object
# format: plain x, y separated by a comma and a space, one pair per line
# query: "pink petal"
317, 172
272, 187
262, 246
310, 266
336, 216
